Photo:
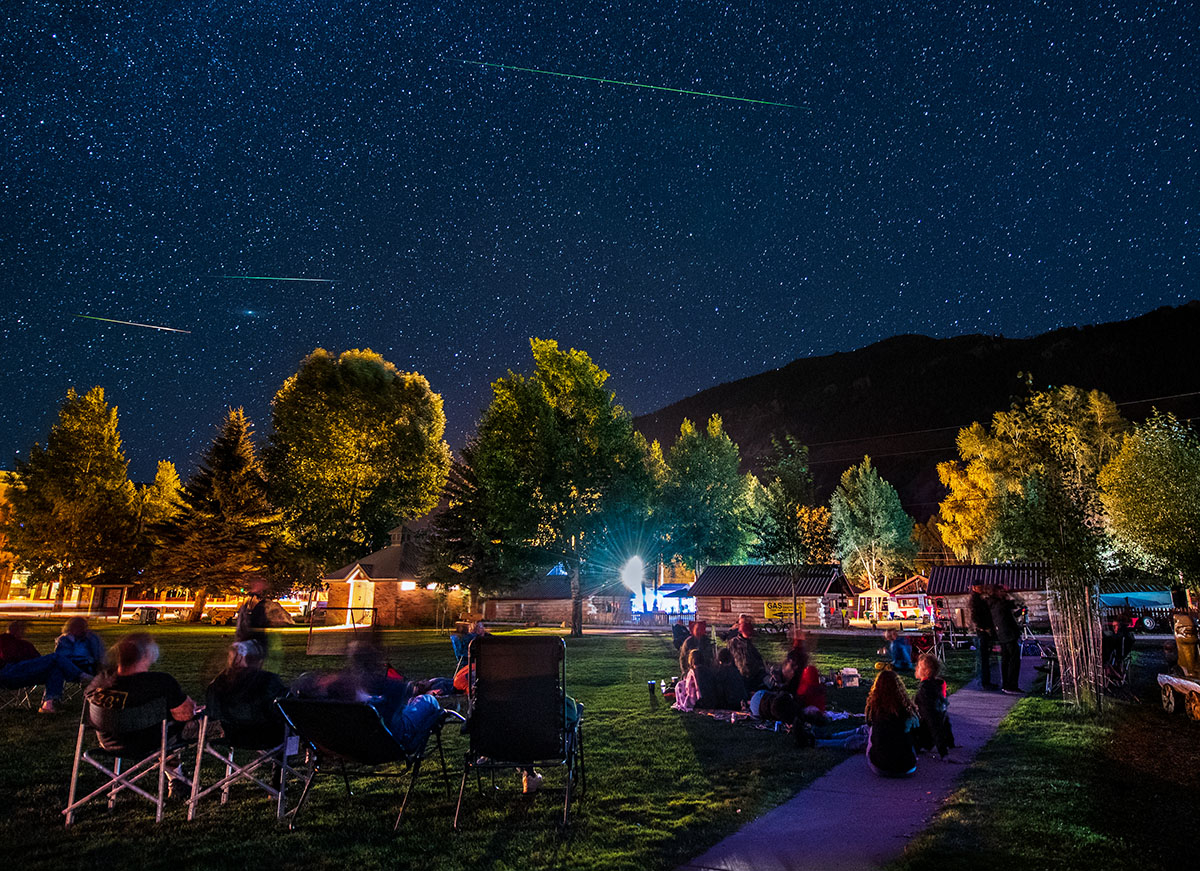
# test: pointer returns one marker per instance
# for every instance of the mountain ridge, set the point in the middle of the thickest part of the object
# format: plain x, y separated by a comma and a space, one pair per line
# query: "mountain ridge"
902, 399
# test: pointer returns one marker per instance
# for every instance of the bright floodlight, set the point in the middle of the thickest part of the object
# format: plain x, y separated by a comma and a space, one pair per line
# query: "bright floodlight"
633, 574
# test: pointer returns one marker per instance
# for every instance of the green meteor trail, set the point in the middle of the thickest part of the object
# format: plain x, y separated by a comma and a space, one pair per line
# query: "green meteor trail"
134, 324
634, 85
278, 278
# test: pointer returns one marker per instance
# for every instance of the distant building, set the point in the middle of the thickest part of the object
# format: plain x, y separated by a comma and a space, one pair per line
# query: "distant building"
384, 587
950, 588
547, 601
765, 592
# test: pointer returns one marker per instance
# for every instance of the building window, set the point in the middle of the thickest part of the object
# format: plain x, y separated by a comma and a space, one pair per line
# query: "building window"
727, 606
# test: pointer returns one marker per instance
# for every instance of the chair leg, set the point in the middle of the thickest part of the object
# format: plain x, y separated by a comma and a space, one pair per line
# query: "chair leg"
112, 796
346, 779
445, 773
281, 805
162, 774
75, 773
461, 789
412, 782
200, 741
312, 775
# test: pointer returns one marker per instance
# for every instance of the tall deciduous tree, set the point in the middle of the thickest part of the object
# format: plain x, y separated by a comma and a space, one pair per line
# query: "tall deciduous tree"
357, 448
74, 511
1151, 491
223, 534
873, 533
1036, 468
559, 462
704, 503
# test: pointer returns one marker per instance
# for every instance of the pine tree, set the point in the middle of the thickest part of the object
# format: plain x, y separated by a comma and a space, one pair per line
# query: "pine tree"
223, 534
74, 510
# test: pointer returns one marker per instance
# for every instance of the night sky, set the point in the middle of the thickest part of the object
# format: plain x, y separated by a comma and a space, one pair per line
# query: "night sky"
961, 167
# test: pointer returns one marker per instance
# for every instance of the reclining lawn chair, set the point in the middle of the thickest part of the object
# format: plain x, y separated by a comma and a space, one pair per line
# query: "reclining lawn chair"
517, 717
103, 711
250, 729
16, 696
353, 732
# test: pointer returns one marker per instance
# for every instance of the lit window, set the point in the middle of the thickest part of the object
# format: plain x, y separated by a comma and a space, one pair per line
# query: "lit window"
408, 585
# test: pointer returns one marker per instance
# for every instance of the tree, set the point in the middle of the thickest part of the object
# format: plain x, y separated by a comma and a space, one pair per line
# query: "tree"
357, 448
462, 549
703, 506
559, 462
74, 511
873, 533
1151, 491
789, 529
223, 534
1035, 470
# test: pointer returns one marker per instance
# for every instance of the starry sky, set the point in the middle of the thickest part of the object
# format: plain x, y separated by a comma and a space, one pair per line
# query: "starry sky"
1002, 168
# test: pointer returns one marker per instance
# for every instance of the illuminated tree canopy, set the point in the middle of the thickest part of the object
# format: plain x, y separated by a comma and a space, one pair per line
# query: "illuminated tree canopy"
704, 503
1151, 491
873, 534
357, 448
74, 512
559, 462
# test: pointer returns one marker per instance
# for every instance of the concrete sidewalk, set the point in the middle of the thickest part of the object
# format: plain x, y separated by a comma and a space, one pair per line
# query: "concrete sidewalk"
851, 819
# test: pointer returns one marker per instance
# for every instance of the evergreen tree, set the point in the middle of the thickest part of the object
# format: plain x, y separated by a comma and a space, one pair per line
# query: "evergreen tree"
74, 512
223, 534
873, 533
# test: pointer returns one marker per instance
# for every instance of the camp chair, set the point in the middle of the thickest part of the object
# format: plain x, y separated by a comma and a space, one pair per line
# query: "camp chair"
460, 643
353, 732
517, 711
246, 728
16, 697
103, 711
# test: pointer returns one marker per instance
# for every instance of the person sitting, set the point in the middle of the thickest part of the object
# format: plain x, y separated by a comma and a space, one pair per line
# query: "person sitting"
699, 688
242, 698
731, 688
802, 681
746, 656
932, 704
699, 642
133, 686
896, 646
22, 666
1116, 643
679, 633
81, 645
891, 719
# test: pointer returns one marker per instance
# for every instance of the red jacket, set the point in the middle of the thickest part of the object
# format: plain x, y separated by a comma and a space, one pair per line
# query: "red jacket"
14, 650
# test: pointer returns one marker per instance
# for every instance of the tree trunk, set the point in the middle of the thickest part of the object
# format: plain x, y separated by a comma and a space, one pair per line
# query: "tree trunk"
473, 600
60, 596
198, 605
576, 601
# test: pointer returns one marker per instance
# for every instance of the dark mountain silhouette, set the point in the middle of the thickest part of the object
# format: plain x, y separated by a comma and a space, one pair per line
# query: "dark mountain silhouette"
902, 400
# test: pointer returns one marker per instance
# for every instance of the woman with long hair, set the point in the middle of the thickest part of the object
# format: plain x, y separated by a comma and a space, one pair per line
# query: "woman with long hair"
891, 719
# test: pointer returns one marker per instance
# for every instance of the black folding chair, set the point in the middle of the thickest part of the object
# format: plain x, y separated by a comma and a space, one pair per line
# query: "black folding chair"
104, 714
517, 712
353, 732
254, 729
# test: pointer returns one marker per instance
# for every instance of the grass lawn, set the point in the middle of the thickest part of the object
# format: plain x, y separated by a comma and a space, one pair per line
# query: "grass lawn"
662, 786
1055, 790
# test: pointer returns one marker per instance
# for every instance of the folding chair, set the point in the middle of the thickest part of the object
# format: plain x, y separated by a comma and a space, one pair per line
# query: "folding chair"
353, 732
16, 697
252, 730
103, 712
517, 712
460, 643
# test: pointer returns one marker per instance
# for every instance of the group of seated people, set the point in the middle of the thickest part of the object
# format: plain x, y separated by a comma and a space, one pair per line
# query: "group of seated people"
736, 677
78, 656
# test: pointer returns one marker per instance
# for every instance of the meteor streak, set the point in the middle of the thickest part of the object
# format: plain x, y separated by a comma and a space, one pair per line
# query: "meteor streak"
634, 84
277, 278
134, 324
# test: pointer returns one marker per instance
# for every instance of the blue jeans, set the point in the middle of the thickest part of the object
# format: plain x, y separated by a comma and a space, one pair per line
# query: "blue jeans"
53, 670
411, 724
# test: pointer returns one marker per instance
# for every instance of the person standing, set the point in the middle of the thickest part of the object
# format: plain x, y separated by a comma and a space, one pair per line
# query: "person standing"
1008, 636
985, 634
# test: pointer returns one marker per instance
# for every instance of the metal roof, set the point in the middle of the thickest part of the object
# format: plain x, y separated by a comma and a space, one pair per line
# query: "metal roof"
770, 581
954, 580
